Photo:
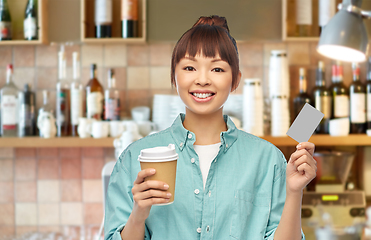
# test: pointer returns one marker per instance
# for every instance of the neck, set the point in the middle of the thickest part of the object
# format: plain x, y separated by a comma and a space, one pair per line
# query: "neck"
207, 128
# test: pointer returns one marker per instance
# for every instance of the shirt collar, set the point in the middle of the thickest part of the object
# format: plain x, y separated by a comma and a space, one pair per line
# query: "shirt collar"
182, 135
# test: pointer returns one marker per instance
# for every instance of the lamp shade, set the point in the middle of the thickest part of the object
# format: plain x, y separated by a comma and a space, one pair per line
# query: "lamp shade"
344, 38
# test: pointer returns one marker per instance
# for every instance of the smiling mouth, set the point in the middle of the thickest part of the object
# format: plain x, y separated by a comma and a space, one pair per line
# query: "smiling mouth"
202, 95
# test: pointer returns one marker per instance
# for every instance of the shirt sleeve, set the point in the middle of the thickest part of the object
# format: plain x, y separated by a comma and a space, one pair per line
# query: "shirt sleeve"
119, 201
278, 200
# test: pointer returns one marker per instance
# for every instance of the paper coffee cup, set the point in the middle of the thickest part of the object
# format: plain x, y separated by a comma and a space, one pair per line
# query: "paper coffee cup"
164, 160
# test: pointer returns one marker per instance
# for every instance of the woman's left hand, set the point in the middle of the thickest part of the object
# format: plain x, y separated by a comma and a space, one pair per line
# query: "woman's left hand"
301, 168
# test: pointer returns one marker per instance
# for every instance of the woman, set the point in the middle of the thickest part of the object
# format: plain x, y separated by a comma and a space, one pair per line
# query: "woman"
230, 184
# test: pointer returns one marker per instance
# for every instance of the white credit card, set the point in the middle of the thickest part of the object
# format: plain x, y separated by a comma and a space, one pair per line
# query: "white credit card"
305, 124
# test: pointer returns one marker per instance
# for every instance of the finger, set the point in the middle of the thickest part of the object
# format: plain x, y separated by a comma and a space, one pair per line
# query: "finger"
305, 169
305, 159
151, 201
306, 145
151, 184
296, 155
152, 193
143, 174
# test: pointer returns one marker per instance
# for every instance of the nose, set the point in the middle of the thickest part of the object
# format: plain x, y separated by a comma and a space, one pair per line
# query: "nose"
203, 79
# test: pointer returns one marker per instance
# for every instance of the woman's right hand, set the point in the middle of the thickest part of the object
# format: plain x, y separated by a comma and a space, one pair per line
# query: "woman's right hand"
147, 193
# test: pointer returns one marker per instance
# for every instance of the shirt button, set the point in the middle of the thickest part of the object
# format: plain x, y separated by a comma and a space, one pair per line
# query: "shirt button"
189, 136
209, 193
181, 144
192, 160
199, 230
207, 228
197, 191
226, 145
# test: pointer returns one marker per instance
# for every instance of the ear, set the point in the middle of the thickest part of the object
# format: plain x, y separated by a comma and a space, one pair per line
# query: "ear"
237, 81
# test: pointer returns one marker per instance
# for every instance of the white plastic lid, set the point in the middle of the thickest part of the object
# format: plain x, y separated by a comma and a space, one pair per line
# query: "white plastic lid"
158, 154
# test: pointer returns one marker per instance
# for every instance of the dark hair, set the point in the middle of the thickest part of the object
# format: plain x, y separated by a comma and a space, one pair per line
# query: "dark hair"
209, 36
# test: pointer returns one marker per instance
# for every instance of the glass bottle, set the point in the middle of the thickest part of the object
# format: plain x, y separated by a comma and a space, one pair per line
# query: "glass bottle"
30, 21
340, 93
94, 96
326, 10
62, 97
322, 99
357, 103
303, 97
5, 21
9, 105
103, 18
27, 121
368, 94
76, 94
111, 99
304, 18
129, 18
46, 107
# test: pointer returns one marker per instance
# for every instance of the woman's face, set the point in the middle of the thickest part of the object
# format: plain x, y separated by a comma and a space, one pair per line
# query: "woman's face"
203, 83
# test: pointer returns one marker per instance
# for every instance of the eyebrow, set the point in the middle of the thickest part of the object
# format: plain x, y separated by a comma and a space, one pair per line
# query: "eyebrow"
214, 60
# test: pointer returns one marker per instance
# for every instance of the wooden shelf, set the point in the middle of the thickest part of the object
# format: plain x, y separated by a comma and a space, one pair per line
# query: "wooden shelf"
289, 21
318, 140
35, 142
302, 39
324, 140
17, 15
88, 25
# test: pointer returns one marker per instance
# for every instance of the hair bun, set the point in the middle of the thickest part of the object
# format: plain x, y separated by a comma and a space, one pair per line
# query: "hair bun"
213, 20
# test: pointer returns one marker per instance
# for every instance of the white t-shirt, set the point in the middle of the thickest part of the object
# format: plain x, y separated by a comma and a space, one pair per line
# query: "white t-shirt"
206, 154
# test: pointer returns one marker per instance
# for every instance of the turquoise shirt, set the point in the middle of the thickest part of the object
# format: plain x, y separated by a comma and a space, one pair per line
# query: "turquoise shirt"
243, 198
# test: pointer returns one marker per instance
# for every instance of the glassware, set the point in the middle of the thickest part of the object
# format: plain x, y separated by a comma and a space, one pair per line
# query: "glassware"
9, 106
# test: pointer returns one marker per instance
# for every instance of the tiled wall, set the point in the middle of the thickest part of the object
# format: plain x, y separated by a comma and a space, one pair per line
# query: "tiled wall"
47, 189
144, 70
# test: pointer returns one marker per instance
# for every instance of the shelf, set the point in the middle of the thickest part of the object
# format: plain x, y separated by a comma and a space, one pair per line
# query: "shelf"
113, 40
324, 140
289, 21
88, 25
35, 142
17, 15
302, 39
22, 42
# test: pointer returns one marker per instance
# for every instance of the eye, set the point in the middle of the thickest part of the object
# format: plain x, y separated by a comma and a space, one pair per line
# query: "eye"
218, 70
189, 68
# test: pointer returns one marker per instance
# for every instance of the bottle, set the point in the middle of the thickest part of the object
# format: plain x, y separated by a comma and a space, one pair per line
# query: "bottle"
5, 21
9, 105
357, 94
129, 18
76, 94
326, 10
368, 94
367, 228
94, 96
322, 99
30, 21
27, 121
46, 107
62, 112
111, 99
103, 18
340, 94
303, 18
303, 97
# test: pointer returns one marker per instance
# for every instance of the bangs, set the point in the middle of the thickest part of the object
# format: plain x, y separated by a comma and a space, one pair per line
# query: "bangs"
208, 41
205, 40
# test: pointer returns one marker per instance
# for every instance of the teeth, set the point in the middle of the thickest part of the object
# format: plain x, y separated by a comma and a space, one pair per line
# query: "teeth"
202, 95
